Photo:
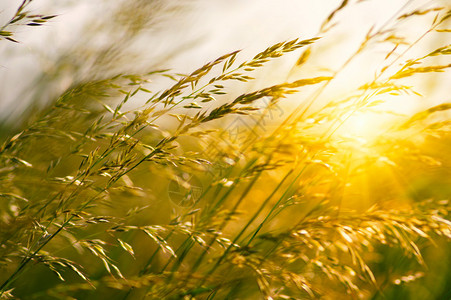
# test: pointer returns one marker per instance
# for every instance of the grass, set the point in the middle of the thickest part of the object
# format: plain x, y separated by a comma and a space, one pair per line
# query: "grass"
201, 194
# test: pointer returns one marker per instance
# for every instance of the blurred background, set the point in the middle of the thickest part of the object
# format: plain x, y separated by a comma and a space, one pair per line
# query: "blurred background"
97, 39
93, 40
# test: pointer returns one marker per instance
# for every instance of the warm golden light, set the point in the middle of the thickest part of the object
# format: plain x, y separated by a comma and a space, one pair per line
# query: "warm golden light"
226, 149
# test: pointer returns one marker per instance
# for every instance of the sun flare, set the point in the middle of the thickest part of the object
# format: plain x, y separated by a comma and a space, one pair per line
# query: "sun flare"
226, 149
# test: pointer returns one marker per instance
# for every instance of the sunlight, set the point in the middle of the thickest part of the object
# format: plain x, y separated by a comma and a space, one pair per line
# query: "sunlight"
365, 127
225, 149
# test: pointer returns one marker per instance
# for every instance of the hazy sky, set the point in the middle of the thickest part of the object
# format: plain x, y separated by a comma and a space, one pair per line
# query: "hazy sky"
198, 32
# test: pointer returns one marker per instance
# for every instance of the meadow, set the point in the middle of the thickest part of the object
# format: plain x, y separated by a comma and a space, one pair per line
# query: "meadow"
216, 185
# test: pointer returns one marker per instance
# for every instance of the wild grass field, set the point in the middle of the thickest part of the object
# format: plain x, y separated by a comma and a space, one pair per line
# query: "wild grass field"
126, 180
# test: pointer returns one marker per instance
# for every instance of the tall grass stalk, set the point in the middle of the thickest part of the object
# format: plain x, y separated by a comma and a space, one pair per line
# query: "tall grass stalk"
276, 216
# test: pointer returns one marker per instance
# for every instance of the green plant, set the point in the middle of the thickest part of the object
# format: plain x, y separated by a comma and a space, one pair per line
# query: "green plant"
279, 212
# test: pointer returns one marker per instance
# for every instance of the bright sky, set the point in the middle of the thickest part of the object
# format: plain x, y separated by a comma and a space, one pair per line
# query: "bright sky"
201, 32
